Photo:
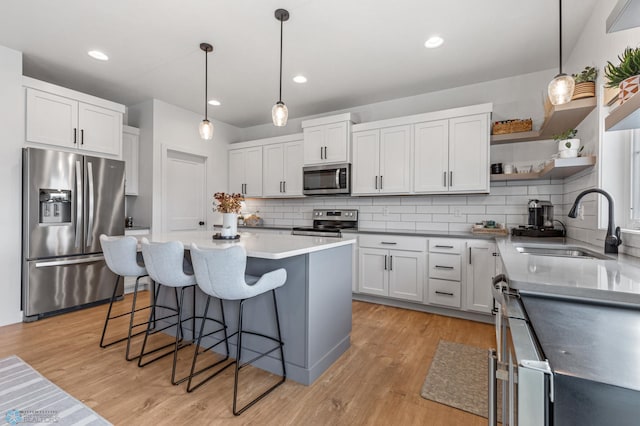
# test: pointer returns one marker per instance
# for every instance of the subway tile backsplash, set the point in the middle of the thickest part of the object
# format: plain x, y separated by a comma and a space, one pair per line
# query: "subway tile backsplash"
507, 203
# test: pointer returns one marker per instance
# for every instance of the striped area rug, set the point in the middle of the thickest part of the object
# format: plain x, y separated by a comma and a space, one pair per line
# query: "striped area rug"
28, 397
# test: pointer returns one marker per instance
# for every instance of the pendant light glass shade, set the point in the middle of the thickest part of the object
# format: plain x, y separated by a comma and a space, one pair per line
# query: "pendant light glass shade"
561, 89
206, 130
206, 127
279, 114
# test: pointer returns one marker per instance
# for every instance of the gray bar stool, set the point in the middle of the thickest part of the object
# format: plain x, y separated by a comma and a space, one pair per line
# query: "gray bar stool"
168, 267
221, 274
122, 258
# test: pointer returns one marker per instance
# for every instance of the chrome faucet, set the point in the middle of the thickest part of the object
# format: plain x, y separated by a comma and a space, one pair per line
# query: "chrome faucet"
611, 241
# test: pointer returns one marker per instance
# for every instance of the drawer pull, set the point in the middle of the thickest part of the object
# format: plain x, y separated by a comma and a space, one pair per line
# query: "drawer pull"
444, 293
439, 246
388, 243
443, 267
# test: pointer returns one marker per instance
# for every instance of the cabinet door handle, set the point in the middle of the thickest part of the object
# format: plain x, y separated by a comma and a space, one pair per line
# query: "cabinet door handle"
376, 182
284, 186
280, 186
380, 181
385, 262
325, 152
439, 246
444, 179
450, 178
75, 135
388, 242
391, 263
81, 136
469, 255
321, 157
444, 293
443, 267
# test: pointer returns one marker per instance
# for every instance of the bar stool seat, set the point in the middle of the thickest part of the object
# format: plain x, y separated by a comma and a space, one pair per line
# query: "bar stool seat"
122, 258
221, 274
168, 268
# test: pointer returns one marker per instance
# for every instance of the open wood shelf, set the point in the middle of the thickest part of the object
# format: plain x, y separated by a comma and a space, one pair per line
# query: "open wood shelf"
558, 169
561, 118
625, 116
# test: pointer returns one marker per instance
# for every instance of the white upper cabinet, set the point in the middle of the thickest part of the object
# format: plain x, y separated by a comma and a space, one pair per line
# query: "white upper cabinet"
245, 171
432, 153
452, 155
72, 120
469, 154
382, 161
282, 173
327, 140
431, 164
130, 155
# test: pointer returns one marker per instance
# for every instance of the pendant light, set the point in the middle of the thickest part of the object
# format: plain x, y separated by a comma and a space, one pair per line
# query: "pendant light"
206, 127
279, 112
561, 87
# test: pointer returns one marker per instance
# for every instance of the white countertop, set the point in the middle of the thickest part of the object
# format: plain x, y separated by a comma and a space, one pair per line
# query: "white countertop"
615, 280
259, 245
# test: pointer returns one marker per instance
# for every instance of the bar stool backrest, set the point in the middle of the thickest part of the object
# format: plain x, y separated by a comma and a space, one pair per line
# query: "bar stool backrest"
121, 256
164, 262
220, 272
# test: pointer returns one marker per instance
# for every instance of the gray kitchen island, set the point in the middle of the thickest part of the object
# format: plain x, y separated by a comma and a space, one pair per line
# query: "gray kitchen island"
314, 303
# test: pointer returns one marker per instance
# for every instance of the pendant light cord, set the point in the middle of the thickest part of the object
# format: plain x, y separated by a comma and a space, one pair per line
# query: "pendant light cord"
206, 86
280, 94
560, 39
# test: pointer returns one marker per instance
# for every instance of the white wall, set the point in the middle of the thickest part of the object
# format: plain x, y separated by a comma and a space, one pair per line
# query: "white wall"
164, 125
513, 97
12, 139
595, 48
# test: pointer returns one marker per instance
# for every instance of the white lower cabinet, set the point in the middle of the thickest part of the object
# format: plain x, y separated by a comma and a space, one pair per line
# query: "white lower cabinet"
445, 273
458, 274
481, 268
396, 272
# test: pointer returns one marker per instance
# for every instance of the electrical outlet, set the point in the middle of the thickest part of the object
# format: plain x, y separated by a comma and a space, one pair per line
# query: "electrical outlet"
385, 211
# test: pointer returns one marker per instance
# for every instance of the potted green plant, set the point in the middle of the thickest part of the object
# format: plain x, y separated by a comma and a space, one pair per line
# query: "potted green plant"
568, 144
585, 83
626, 75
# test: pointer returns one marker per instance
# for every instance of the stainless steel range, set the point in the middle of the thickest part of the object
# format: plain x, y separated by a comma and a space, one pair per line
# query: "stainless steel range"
329, 223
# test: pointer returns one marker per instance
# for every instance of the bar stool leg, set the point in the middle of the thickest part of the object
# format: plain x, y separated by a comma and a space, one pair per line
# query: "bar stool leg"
198, 343
106, 320
239, 365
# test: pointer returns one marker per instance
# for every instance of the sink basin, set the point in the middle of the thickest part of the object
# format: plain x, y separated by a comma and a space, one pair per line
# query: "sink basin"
559, 251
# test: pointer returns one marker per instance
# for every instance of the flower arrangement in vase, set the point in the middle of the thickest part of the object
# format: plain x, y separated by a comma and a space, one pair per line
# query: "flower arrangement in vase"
229, 205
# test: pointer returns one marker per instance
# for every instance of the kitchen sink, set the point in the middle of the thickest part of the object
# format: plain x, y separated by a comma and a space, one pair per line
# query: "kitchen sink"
559, 251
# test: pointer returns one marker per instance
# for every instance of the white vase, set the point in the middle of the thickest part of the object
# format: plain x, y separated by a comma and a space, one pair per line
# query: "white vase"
229, 224
566, 144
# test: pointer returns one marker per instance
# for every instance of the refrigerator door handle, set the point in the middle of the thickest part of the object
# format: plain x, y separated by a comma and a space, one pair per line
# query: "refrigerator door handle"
91, 204
50, 263
78, 203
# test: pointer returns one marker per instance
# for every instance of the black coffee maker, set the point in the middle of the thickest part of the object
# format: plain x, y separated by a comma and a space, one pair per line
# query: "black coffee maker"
540, 223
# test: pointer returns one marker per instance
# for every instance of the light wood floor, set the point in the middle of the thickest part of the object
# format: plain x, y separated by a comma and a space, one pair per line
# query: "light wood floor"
376, 382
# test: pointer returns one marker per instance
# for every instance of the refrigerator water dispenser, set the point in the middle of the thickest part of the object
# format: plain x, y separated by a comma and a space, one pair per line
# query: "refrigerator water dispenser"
55, 206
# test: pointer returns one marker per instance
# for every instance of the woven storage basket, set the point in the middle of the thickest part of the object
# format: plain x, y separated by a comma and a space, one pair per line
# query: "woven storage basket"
512, 126
585, 89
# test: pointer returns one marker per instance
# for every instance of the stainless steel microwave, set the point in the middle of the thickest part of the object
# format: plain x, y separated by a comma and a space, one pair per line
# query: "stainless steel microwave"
330, 179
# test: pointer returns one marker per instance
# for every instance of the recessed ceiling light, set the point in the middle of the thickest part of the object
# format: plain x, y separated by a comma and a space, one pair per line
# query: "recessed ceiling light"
214, 102
96, 54
433, 42
300, 79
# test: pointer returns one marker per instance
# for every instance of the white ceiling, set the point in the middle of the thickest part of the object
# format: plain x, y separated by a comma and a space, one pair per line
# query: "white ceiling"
353, 52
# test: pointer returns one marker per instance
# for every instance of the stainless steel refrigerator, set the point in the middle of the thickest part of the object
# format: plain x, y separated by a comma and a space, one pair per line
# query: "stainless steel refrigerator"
68, 201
